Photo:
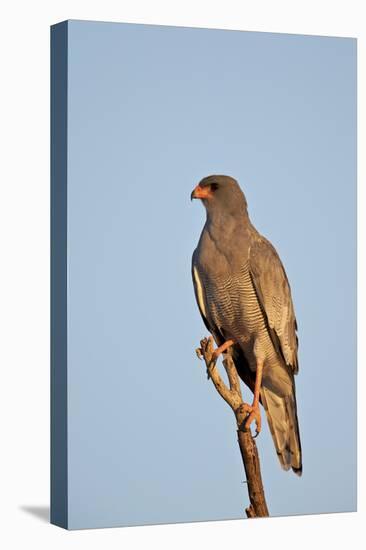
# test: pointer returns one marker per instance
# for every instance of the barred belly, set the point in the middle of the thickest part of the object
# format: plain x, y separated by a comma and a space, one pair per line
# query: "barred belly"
234, 308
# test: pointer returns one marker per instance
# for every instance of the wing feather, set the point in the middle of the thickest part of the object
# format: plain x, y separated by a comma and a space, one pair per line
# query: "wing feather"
274, 294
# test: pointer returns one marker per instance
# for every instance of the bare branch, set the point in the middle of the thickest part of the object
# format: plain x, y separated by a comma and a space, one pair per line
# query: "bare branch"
233, 399
232, 374
232, 395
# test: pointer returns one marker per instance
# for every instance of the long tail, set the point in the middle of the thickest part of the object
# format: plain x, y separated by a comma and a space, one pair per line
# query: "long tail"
284, 426
278, 398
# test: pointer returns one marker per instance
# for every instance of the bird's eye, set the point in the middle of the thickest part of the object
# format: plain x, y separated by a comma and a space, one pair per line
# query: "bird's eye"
214, 186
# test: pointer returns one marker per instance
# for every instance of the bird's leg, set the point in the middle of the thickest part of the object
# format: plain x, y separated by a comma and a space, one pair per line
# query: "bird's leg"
216, 353
222, 348
255, 412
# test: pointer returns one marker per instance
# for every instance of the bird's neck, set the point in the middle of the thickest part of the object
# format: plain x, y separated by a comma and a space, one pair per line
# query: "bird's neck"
224, 224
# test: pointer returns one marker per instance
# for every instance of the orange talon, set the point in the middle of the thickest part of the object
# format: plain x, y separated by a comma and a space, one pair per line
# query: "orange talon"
254, 416
216, 353
205, 343
222, 348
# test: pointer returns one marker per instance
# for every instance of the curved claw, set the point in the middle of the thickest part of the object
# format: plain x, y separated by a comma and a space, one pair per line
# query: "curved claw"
254, 416
204, 343
207, 351
199, 353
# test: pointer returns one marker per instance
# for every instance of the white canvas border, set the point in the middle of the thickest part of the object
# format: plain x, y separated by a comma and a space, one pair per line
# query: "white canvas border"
25, 275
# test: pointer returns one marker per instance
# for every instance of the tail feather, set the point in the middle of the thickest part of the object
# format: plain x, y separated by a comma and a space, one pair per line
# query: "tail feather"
279, 401
283, 423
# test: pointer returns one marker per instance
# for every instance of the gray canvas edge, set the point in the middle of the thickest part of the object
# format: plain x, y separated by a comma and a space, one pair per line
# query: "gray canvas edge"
59, 493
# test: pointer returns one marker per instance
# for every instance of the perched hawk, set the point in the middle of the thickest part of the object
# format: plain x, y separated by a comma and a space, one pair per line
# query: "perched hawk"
244, 298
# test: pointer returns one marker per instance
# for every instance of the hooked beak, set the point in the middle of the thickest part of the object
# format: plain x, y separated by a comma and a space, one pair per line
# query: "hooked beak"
201, 192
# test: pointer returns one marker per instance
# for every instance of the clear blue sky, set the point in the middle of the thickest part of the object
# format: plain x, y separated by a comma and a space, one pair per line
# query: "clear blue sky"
151, 111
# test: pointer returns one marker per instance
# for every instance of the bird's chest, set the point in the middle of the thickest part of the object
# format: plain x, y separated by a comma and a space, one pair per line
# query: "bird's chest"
232, 303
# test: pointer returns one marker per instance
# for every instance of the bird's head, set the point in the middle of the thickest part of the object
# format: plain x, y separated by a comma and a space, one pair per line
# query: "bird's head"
220, 194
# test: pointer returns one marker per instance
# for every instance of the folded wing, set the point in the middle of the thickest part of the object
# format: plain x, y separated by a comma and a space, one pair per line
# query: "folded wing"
274, 295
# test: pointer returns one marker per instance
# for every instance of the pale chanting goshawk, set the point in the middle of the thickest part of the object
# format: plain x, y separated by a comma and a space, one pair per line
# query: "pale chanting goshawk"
244, 297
